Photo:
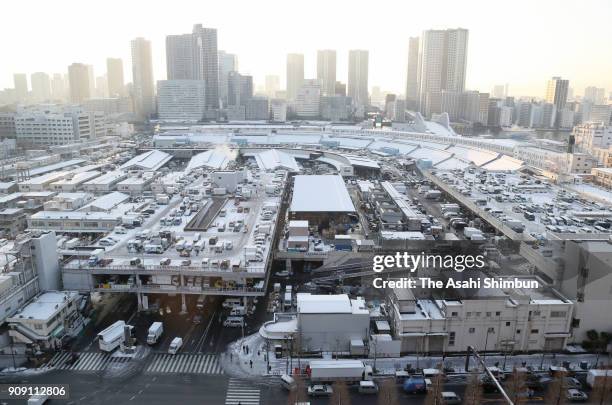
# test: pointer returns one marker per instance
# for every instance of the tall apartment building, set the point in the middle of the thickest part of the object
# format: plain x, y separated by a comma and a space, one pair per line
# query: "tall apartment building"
295, 74
595, 95
78, 76
114, 77
358, 77
195, 57
591, 135
412, 77
240, 89
47, 125
272, 85
442, 66
556, 92
308, 99
180, 64
257, 108
181, 99
228, 62
278, 110
20, 81
58, 87
326, 71
41, 87
142, 78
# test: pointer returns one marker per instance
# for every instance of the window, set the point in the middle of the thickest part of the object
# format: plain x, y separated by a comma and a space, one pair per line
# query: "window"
535, 331
497, 313
478, 313
558, 314
518, 331
491, 330
488, 314
454, 314
468, 314
507, 323
472, 330
451, 338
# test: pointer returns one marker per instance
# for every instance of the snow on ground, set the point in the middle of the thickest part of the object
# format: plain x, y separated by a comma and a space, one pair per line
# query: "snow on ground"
236, 361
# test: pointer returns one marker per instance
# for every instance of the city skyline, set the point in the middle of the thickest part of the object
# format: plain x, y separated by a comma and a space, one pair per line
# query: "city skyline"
492, 44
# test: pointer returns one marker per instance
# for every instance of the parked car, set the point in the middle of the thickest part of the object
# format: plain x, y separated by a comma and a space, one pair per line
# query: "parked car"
574, 395
320, 390
415, 385
450, 398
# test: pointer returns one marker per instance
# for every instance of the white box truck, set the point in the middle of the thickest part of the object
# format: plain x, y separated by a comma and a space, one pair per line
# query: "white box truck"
334, 370
469, 231
175, 345
112, 337
155, 331
597, 376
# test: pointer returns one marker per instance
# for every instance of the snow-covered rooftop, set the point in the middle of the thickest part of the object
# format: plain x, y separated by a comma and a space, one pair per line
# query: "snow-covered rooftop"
213, 159
321, 193
273, 159
151, 160
46, 305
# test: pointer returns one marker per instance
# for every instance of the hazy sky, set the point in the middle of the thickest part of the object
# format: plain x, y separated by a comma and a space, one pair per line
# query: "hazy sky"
521, 42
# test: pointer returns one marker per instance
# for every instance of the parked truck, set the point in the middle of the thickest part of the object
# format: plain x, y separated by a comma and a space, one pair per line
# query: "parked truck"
162, 199
334, 370
433, 194
253, 254
112, 337
469, 231
95, 257
597, 377
515, 225
155, 331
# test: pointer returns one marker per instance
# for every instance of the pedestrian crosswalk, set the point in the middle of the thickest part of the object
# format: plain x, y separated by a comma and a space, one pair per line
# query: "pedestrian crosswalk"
241, 392
184, 363
88, 361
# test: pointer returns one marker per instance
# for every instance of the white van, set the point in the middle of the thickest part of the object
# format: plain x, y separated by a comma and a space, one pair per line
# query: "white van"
234, 322
232, 302
368, 387
288, 382
175, 345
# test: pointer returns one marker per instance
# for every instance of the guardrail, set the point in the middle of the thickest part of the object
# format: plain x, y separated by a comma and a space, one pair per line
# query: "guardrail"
132, 269
181, 289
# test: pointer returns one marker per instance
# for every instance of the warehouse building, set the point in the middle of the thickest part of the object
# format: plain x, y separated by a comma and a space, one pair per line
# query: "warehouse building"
321, 199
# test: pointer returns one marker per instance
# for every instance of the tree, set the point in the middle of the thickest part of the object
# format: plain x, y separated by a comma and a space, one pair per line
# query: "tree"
557, 389
434, 394
516, 387
298, 394
388, 393
602, 389
341, 395
473, 390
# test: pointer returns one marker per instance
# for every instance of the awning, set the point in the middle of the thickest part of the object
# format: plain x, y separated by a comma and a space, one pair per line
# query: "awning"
58, 332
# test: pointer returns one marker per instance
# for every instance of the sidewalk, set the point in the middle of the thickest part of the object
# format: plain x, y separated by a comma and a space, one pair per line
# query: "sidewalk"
238, 363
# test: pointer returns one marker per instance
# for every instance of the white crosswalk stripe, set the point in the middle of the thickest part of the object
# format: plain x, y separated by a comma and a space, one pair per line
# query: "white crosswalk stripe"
241, 392
184, 363
87, 361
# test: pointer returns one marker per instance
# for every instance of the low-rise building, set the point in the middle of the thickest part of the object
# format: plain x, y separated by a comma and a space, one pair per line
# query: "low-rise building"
12, 222
69, 221
491, 319
48, 320
105, 183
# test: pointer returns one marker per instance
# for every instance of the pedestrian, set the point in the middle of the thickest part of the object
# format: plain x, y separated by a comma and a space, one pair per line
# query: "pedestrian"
251, 363
258, 353
231, 357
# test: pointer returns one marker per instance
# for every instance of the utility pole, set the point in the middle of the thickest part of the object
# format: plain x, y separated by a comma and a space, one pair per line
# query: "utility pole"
470, 350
